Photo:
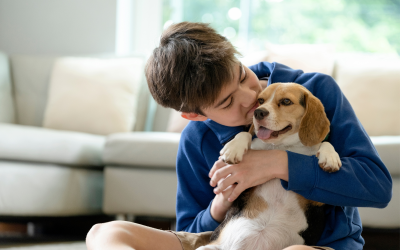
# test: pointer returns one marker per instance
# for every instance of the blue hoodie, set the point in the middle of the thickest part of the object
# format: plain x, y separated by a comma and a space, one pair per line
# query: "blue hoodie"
363, 180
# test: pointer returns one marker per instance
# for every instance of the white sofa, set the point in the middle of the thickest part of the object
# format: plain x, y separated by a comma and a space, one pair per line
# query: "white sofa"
45, 172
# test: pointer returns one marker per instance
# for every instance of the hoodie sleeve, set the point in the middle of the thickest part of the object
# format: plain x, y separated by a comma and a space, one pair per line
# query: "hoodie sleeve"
194, 192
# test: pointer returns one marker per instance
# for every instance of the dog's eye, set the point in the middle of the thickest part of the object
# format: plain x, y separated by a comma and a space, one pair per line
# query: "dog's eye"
286, 102
261, 101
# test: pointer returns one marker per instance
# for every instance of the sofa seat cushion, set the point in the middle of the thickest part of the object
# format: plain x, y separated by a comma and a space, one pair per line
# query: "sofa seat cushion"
142, 149
25, 143
38, 189
140, 191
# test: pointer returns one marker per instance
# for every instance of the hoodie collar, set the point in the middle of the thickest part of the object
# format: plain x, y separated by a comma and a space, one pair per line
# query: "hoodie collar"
224, 133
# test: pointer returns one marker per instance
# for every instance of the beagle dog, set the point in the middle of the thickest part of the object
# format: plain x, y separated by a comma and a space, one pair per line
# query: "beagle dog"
268, 217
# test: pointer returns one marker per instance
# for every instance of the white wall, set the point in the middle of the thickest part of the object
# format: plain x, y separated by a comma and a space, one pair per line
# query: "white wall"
57, 26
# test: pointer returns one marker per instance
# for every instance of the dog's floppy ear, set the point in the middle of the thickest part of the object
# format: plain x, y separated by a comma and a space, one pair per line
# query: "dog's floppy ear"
314, 125
251, 130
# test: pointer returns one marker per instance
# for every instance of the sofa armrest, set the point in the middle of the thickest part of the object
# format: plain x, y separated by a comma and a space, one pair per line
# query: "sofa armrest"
388, 148
36, 144
142, 149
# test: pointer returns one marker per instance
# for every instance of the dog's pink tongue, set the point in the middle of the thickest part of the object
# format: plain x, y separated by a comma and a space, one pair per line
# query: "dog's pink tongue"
264, 133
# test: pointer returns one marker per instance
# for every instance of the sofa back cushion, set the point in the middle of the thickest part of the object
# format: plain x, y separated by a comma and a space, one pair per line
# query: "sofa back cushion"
371, 83
94, 95
307, 57
30, 76
7, 113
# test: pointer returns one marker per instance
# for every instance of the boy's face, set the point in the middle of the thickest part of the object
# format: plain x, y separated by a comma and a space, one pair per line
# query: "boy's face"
237, 101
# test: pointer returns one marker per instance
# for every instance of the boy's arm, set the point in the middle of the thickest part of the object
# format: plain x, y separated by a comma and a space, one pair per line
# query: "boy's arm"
194, 193
363, 179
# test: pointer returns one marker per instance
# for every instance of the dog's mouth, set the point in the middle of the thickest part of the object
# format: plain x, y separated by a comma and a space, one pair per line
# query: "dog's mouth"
265, 133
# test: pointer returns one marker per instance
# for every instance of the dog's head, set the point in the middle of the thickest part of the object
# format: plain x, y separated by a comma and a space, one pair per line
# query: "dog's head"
289, 108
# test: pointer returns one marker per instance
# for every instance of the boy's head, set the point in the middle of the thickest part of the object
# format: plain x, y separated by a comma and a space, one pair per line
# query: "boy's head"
195, 71
190, 67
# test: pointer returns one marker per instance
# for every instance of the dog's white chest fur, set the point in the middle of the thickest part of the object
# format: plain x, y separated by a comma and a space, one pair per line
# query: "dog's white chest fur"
278, 226
274, 229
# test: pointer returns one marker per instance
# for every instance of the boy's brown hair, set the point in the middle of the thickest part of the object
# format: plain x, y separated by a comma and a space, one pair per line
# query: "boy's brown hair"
190, 67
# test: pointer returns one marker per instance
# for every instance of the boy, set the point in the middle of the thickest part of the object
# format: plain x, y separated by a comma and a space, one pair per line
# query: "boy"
195, 71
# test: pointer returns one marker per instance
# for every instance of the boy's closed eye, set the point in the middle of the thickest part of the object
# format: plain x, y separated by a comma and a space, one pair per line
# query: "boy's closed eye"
230, 104
241, 81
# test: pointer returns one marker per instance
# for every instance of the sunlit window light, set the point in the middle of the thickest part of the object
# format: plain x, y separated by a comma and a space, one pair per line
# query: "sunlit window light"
234, 13
229, 32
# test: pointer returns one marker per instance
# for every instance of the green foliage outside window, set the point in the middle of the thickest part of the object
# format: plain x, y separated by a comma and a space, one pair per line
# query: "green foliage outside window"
350, 25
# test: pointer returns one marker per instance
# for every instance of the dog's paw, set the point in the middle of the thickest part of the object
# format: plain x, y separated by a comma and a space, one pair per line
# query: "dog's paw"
233, 151
328, 159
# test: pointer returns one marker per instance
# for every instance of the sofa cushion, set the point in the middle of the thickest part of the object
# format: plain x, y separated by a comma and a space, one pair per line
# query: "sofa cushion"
37, 189
307, 57
176, 122
30, 76
142, 149
371, 83
138, 191
387, 217
7, 113
94, 95
388, 148
24, 143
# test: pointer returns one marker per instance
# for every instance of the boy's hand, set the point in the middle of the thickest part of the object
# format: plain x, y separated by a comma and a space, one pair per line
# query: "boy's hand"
257, 167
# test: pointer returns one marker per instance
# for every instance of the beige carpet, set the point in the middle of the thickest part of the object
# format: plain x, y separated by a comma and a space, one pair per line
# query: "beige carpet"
51, 246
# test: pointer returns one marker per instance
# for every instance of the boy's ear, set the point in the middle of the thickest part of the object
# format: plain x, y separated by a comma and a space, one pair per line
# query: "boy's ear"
193, 116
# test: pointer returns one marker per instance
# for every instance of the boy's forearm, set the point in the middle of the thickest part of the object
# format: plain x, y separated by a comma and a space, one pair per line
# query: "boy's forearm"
218, 212
281, 165
221, 205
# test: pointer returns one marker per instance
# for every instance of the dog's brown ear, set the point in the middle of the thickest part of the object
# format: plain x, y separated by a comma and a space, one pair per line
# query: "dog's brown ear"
251, 130
314, 125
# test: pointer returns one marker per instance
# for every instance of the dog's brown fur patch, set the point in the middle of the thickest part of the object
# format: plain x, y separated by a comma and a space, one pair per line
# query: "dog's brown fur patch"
304, 203
255, 206
314, 125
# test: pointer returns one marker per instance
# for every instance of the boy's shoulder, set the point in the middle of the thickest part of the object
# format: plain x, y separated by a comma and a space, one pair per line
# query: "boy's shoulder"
194, 134
197, 139
197, 132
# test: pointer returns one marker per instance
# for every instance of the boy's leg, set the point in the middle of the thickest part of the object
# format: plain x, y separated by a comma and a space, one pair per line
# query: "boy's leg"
122, 235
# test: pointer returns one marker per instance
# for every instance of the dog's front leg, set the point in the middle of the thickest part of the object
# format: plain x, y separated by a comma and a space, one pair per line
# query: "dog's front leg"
234, 150
328, 159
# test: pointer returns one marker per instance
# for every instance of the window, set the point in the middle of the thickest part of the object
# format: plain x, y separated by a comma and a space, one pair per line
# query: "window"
350, 25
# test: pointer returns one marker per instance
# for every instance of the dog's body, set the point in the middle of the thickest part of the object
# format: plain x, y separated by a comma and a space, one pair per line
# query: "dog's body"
268, 217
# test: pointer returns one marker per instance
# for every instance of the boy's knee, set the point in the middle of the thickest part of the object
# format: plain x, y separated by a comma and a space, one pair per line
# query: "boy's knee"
100, 231
108, 228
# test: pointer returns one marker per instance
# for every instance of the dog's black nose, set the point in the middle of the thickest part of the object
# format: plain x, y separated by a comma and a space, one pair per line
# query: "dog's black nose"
260, 114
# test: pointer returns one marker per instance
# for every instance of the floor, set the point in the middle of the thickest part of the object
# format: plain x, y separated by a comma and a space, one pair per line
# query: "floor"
72, 239
79, 245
